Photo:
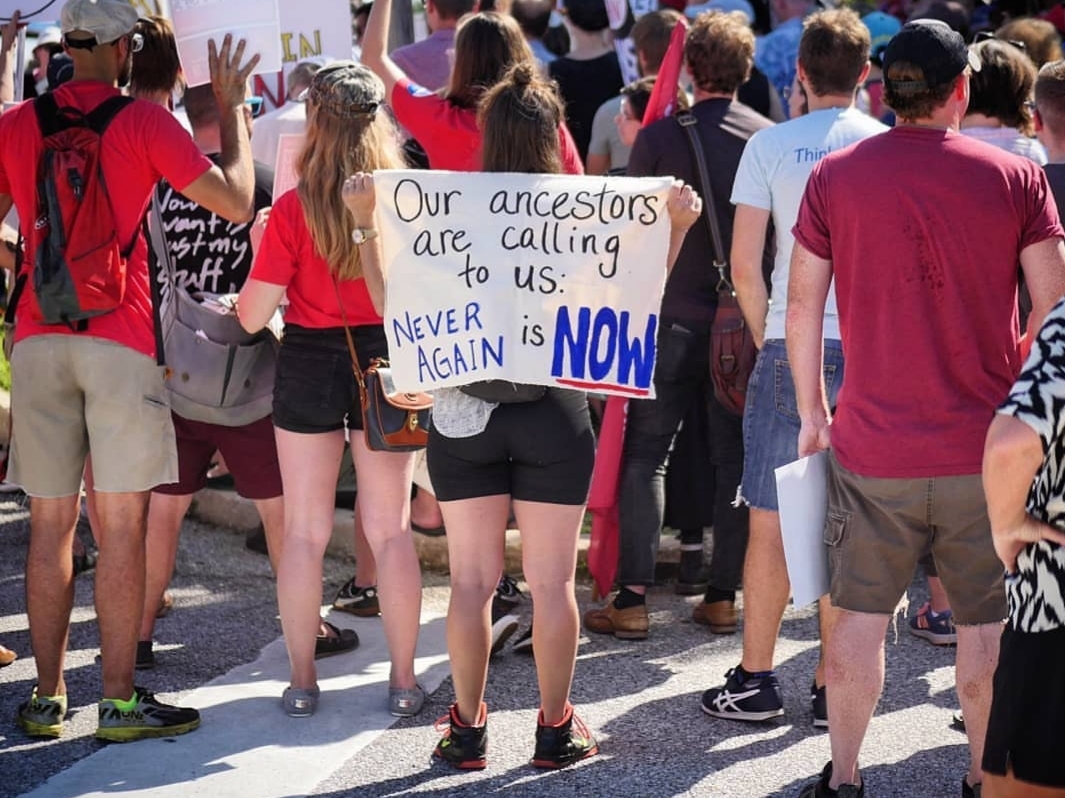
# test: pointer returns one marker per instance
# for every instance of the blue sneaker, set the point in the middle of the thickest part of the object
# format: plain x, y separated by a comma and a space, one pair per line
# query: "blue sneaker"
745, 697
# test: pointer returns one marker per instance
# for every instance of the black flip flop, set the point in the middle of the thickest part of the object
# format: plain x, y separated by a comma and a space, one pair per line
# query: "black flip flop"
432, 532
339, 641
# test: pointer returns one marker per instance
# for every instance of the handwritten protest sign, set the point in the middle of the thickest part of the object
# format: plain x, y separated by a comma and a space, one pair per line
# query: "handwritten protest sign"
196, 21
545, 279
321, 29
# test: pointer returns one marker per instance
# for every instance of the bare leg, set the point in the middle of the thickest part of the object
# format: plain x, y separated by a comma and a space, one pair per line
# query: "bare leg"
272, 514
365, 564
827, 616
940, 602
475, 543
165, 514
120, 577
855, 671
309, 465
549, 534
765, 590
384, 481
50, 587
976, 659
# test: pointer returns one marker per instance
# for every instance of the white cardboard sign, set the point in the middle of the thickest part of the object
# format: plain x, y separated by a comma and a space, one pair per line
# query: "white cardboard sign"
196, 21
546, 279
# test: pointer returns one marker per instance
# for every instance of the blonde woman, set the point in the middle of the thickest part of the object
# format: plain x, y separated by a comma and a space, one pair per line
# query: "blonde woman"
308, 252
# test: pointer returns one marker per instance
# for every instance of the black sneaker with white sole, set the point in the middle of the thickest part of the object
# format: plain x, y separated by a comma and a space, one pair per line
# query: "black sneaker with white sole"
819, 704
504, 618
360, 601
745, 697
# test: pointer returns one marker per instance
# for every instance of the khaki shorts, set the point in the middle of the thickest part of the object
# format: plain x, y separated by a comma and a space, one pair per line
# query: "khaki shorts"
877, 530
72, 394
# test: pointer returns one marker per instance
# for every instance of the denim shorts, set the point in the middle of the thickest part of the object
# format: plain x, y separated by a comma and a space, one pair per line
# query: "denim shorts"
771, 419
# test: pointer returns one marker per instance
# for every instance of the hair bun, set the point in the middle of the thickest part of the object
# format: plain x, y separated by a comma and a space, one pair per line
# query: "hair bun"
523, 74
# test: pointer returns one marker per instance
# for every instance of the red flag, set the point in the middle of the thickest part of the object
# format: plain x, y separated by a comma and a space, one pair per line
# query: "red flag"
663, 100
603, 497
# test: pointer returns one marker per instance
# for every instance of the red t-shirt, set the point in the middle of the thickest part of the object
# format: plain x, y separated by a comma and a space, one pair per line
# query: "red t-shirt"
142, 145
287, 257
449, 134
924, 229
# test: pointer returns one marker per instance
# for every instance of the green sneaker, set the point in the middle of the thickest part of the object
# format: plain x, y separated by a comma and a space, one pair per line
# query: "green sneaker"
42, 716
148, 717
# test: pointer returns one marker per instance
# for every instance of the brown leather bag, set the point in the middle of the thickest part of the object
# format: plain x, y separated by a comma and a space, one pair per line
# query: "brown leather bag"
392, 421
732, 349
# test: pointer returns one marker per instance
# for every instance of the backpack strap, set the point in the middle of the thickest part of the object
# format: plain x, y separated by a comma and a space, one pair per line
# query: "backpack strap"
52, 119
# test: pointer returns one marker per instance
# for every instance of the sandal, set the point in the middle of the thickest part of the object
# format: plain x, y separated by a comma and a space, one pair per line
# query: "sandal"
336, 642
432, 532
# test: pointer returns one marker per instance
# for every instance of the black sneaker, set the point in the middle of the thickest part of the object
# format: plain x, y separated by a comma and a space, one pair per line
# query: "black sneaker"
145, 656
820, 788
361, 601
970, 790
463, 746
819, 704
504, 620
149, 717
744, 697
564, 744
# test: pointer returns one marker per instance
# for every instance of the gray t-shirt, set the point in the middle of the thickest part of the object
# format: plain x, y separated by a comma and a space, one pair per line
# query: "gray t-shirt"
605, 137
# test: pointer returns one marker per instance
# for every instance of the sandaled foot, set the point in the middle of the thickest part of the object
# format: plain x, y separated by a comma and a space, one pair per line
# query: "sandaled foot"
334, 641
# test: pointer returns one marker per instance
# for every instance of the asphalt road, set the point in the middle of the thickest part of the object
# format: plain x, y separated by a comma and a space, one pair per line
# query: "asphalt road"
220, 649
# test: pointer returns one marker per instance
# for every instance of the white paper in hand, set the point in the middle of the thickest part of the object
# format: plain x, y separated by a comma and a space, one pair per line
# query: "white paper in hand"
802, 494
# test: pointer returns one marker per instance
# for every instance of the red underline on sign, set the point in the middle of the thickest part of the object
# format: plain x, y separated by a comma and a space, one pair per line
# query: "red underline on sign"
601, 386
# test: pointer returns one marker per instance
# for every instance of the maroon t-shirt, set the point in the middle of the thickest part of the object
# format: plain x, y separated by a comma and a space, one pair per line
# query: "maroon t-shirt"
924, 229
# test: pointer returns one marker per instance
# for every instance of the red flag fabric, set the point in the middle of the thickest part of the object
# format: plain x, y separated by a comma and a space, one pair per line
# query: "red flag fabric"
603, 497
663, 100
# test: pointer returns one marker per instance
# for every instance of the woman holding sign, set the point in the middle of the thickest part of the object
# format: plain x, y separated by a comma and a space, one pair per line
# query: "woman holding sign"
307, 251
534, 449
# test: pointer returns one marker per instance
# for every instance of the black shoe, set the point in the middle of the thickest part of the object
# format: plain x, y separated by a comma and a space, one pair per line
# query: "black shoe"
969, 790
256, 541
692, 579
337, 641
149, 717
564, 744
145, 656
463, 746
744, 697
819, 703
504, 620
360, 601
820, 788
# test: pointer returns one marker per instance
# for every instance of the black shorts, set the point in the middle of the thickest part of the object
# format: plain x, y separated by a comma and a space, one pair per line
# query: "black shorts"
1027, 721
315, 389
540, 451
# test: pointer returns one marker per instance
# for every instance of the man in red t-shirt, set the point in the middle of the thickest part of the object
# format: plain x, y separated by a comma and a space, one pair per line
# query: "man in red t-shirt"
100, 389
922, 229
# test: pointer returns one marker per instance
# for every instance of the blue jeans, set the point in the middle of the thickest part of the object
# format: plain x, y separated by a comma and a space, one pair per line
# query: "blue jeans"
682, 377
771, 419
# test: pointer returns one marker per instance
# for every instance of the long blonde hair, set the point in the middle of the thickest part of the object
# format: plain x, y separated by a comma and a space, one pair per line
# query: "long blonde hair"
337, 146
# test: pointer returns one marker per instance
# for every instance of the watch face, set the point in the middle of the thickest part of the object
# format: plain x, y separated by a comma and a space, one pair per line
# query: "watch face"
358, 236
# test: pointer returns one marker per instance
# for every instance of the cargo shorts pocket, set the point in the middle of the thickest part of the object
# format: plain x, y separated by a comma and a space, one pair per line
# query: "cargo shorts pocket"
835, 524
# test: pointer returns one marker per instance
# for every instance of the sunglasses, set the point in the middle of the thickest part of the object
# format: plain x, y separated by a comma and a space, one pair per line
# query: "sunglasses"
255, 105
986, 36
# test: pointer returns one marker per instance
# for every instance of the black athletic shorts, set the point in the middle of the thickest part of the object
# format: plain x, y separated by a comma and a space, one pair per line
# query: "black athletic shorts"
540, 451
1027, 721
315, 389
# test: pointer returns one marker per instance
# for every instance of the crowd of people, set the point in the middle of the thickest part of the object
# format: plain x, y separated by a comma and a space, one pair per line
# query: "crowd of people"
888, 190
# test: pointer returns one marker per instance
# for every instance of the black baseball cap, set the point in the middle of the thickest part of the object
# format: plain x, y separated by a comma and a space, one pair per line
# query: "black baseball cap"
933, 46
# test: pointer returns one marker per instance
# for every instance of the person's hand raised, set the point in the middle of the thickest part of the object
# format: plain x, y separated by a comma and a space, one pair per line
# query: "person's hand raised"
684, 205
228, 78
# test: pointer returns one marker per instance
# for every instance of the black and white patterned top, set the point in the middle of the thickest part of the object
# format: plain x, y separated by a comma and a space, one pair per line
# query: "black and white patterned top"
1036, 593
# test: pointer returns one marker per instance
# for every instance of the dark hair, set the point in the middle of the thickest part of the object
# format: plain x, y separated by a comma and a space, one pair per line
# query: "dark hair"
157, 67
719, 51
651, 34
453, 9
588, 15
532, 16
1003, 86
201, 106
519, 120
1050, 96
487, 44
919, 104
638, 94
949, 11
833, 51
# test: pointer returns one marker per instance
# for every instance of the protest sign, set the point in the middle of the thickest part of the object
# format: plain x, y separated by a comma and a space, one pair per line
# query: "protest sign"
321, 29
546, 279
196, 21
289, 146
48, 10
